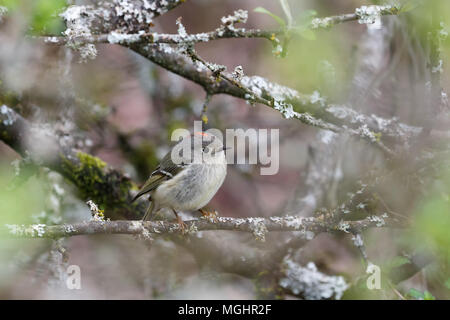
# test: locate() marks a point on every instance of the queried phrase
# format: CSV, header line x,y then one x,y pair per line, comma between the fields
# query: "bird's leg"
x,y
180,221
208,213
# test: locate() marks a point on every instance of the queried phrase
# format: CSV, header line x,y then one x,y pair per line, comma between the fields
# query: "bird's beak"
x,y
226,148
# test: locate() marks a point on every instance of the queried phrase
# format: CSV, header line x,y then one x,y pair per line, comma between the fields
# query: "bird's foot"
x,y
183,226
209,214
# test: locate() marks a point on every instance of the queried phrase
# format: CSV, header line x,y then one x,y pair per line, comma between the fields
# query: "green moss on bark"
x,y
107,187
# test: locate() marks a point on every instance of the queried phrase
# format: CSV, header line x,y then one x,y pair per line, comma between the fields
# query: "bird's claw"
x,y
183,226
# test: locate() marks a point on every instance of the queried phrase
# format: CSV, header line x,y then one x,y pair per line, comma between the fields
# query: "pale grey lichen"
x,y
122,38
136,225
286,109
146,235
281,95
87,51
444,98
317,98
239,16
79,20
438,68
51,40
443,33
295,222
16,166
258,228
58,189
327,137
310,283
310,199
133,11
97,214
379,221
344,226
353,117
361,206
216,69
192,229
181,29
141,231
357,240
365,132
7,115
371,14
238,73
34,230
3,12
324,23
261,87
166,48
309,235
68,228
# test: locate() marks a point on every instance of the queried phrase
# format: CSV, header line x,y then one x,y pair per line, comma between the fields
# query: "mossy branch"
x,y
94,179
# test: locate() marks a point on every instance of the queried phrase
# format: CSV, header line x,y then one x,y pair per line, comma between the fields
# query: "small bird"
x,y
187,184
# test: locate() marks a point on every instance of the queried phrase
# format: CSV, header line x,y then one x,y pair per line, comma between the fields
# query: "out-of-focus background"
x,y
122,108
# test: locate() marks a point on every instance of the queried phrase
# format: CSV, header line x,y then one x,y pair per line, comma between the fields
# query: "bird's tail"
x,y
149,213
138,195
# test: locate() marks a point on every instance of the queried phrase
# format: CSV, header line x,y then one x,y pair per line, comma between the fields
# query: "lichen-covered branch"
x,y
258,226
309,109
364,15
226,30
157,38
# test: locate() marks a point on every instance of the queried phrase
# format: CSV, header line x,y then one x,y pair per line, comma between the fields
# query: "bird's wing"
x,y
165,171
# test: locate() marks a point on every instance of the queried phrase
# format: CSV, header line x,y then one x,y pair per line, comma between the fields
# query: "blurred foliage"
x,y
18,205
420,13
317,64
278,19
44,17
429,234
323,60
432,220
416,294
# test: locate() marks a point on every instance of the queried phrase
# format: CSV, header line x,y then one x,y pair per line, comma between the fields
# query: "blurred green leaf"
x,y
409,5
278,19
305,33
305,18
414,293
433,222
397,262
42,14
428,296
10,4
45,16
17,207
447,283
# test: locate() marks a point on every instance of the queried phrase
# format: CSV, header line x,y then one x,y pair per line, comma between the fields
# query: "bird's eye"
x,y
206,149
